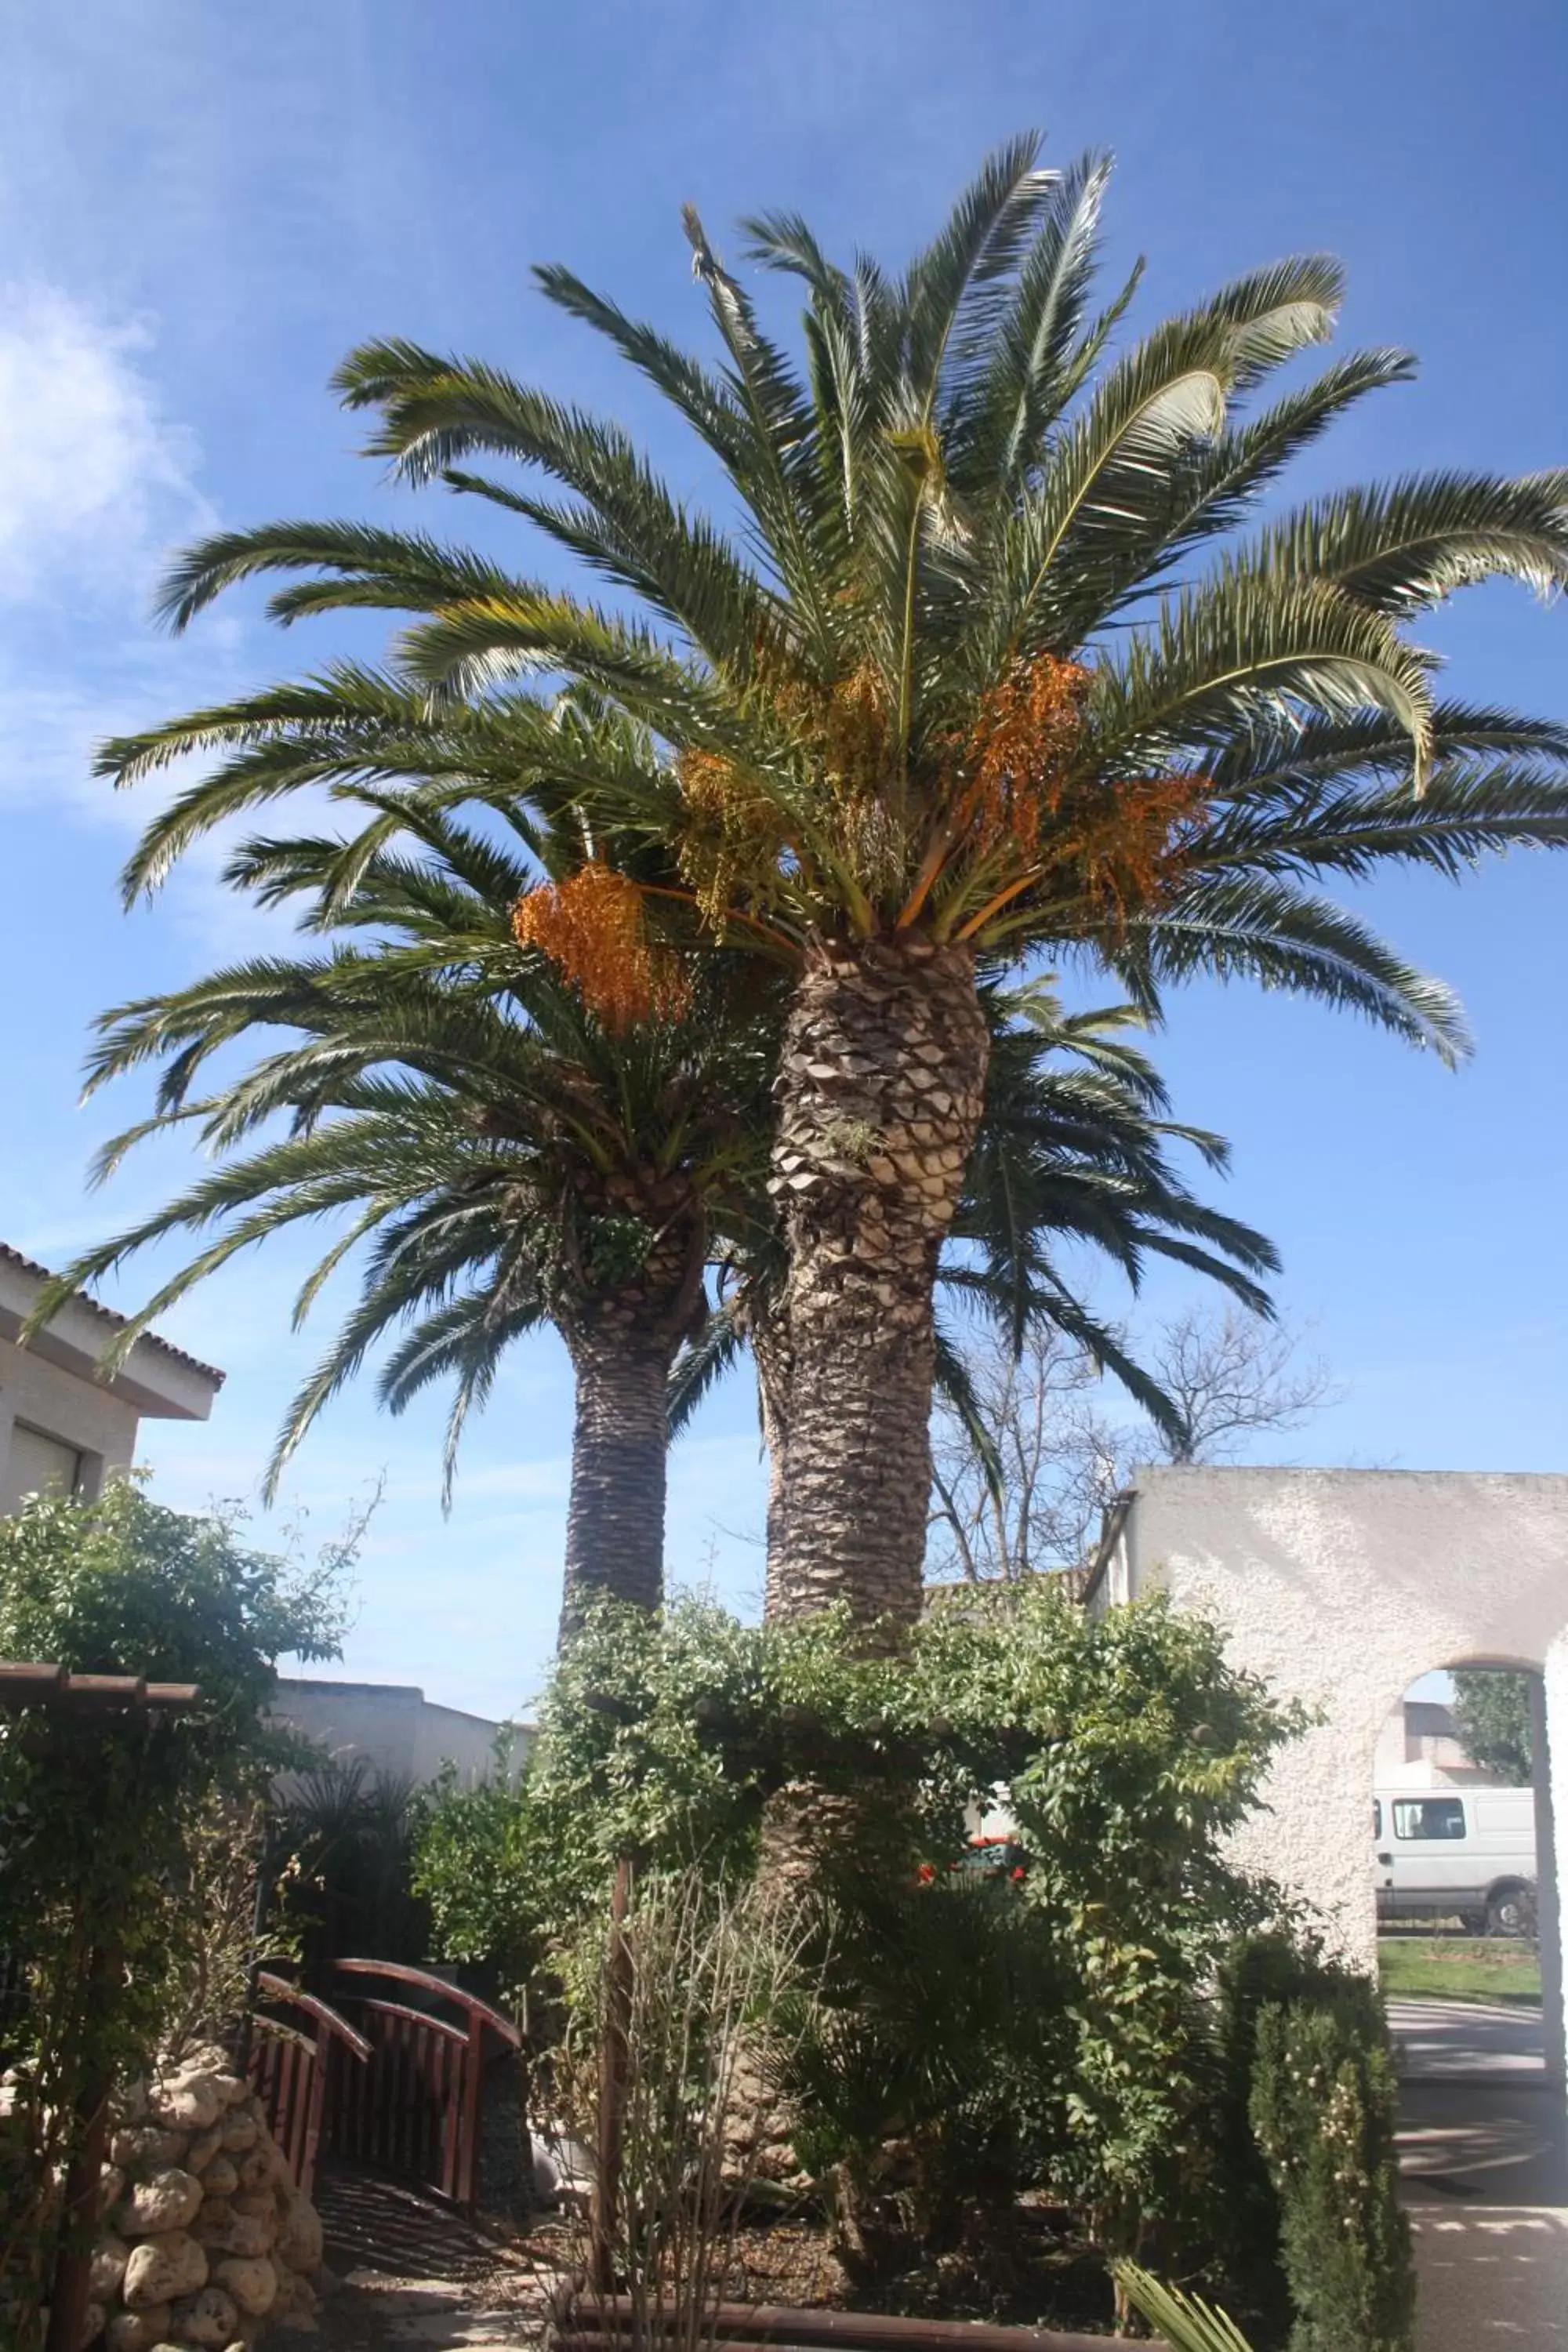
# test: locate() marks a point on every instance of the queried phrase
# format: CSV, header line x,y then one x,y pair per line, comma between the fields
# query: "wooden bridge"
x,y
394,2085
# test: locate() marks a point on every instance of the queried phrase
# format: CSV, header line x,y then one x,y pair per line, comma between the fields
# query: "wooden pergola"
x,y
53,1687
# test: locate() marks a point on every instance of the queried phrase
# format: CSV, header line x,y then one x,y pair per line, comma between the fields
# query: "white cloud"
x,y
93,477
96,483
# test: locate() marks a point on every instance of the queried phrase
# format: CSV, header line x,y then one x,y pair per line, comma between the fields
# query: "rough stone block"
x,y
203,2149
299,2240
135,2147
163,2200
207,2318
137,2331
252,2284
162,2269
110,2257
186,2102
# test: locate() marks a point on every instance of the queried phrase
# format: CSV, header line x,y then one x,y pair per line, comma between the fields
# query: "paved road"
x,y
1491,2275
1480,2122
1438,2039
1483,2148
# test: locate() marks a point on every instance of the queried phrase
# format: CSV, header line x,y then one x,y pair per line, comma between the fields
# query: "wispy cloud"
x,y
94,477
97,482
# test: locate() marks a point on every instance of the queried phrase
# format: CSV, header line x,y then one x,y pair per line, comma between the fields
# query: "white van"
x,y
1470,1851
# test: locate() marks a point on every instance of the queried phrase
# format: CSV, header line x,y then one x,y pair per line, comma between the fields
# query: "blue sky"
x,y
201,208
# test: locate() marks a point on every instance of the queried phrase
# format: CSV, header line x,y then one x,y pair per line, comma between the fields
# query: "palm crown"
x,y
956,678
987,668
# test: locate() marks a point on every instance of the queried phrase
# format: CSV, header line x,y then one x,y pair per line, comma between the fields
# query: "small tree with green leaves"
x,y
1492,1714
105,1822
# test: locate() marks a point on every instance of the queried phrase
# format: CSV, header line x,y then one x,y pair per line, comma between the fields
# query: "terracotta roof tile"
x,y
10,1256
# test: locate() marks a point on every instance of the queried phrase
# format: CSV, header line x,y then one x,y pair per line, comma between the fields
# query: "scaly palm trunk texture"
x,y
620,1442
880,1097
623,1340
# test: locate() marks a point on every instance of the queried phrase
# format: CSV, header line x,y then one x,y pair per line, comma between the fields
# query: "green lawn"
x,y
1458,1967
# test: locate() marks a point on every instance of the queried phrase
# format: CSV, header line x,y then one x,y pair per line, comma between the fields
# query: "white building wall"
x,y
100,1426
52,1390
1342,1587
392,1728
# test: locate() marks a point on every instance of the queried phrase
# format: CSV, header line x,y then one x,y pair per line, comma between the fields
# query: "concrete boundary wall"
x,y
1342,1587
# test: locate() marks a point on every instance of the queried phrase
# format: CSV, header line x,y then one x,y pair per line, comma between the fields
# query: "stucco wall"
x,y
100,1426
53,1386
1342,1587
393,1727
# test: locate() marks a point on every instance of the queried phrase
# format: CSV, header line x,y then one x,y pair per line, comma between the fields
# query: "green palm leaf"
x,y
1186,2322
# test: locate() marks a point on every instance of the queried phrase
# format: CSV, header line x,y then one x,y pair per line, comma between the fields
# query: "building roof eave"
x,y
158,1380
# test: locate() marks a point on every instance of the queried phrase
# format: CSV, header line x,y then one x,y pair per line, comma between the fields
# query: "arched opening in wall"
x,y
1457,1849
1469,1940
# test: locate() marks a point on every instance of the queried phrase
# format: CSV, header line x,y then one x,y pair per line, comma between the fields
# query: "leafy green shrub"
x,y
1133,1747
930,2079
1241,2220
122,1585
659,1738
108,1823
1048,2031
1323,2106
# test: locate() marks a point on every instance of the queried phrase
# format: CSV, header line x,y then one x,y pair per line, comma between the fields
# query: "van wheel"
x,y
1509,1911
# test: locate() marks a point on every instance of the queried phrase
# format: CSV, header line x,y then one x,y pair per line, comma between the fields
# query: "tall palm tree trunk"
x,y
623,1341
620,1445
769,1352
881,1095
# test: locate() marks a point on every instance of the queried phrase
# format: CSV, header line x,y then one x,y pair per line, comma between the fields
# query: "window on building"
x,y
38,1463
1429,1817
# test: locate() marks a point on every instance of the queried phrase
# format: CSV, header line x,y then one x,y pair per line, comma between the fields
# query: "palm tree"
x,y
1072,1148
511,1158
984,671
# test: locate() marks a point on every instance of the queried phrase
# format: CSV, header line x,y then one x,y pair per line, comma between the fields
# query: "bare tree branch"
x,y
1230,1376
1060,1462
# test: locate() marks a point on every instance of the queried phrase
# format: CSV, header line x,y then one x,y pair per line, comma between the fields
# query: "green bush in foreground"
x,y
1052,2030
1323,2109
114,1828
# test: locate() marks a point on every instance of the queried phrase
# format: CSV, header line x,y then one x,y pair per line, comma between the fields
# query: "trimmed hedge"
x,y
1324,2111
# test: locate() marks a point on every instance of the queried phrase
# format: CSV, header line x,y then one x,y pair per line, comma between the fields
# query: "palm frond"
x,y
1407,544
1186,2322
702,1364
1256,928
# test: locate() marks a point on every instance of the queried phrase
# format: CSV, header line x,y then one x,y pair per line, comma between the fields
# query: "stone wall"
x,y
206,2240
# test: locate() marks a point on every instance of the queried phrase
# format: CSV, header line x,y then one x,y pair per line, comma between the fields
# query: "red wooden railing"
x,y
293,2070
414,2110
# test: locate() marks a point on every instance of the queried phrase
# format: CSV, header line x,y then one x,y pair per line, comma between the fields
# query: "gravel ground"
x,y
380,2311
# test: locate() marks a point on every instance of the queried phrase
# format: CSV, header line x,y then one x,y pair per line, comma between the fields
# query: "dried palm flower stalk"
x,y
591,927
